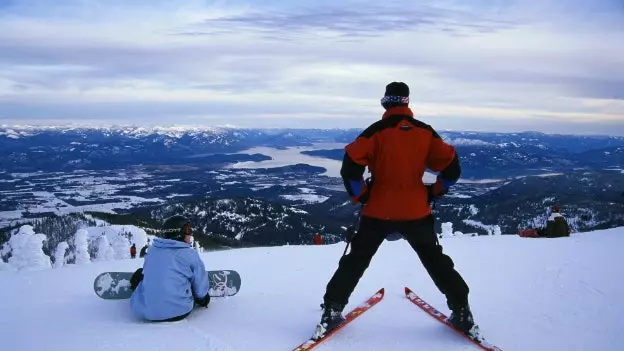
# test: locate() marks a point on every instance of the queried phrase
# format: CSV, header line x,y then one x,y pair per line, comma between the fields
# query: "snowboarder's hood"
x,y
169,244
554,215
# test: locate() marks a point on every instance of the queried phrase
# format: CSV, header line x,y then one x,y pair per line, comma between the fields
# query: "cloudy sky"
x,y
495,65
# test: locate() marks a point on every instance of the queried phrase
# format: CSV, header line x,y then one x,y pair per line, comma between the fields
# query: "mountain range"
x,y
141,175
484,155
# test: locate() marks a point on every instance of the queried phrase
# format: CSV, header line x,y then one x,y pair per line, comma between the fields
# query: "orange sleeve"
x,y
440,154
360,150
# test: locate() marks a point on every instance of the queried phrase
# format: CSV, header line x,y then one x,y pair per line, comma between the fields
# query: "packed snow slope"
x,y
526,294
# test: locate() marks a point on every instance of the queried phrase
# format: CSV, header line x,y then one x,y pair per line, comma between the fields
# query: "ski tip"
x,y
381,291
407,290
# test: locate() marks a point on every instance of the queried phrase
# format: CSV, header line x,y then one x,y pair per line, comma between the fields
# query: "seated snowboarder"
x,y
556,225
173,278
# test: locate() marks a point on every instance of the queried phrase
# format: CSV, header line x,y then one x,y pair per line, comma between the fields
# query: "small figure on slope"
x,y
397,150
133,251
173,278
317,239
556,225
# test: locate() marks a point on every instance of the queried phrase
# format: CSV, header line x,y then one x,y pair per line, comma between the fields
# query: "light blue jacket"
x,y
172,272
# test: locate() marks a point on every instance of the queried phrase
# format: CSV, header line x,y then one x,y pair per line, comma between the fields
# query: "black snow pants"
x,y
421,236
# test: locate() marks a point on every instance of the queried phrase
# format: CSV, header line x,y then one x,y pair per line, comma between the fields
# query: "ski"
x,y
475,338
349,317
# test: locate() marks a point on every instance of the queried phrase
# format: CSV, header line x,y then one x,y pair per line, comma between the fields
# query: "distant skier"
x,y
143,251
173,278
556,225
397,150
317,239
133,251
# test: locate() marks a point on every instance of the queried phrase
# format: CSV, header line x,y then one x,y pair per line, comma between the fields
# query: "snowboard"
x,y
116,285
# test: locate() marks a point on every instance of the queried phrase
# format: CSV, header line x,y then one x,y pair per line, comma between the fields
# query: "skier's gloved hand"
x,y
203,302
364,193
436,190
362,197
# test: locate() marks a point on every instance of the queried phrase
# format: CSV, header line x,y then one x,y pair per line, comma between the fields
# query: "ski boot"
x,y
330,320
462,320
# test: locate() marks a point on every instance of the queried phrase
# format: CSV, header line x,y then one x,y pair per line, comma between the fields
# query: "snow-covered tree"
x,y
473,210
59,254
139,237
104,249
121,247
496,230
447,229
5,251
82,247
27,250
197,247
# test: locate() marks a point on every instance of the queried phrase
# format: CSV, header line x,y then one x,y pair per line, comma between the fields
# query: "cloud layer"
x,y
552,65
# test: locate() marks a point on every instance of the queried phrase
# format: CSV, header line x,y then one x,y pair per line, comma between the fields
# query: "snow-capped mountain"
x,y
126,171
60,149
27,149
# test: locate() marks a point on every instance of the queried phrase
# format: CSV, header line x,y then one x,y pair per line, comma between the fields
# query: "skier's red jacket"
x,y
397,150
132,250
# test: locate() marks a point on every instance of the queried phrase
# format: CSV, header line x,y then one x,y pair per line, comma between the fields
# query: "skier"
x,y
317,239
133,251
173,278
143,251
397,150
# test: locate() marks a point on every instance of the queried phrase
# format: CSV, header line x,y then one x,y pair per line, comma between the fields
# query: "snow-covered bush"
x,y
473,210
5,252
121,247
139,237
82,247
27,250
496,230
197,246
104,249
59,254
447,229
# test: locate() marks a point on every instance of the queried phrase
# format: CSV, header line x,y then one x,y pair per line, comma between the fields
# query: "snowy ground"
x,y
526,294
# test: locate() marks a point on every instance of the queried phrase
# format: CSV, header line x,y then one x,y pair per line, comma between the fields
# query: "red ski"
x,y
349,317
476,339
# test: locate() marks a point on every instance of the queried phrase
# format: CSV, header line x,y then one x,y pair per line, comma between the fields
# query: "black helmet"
x,y
176,228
